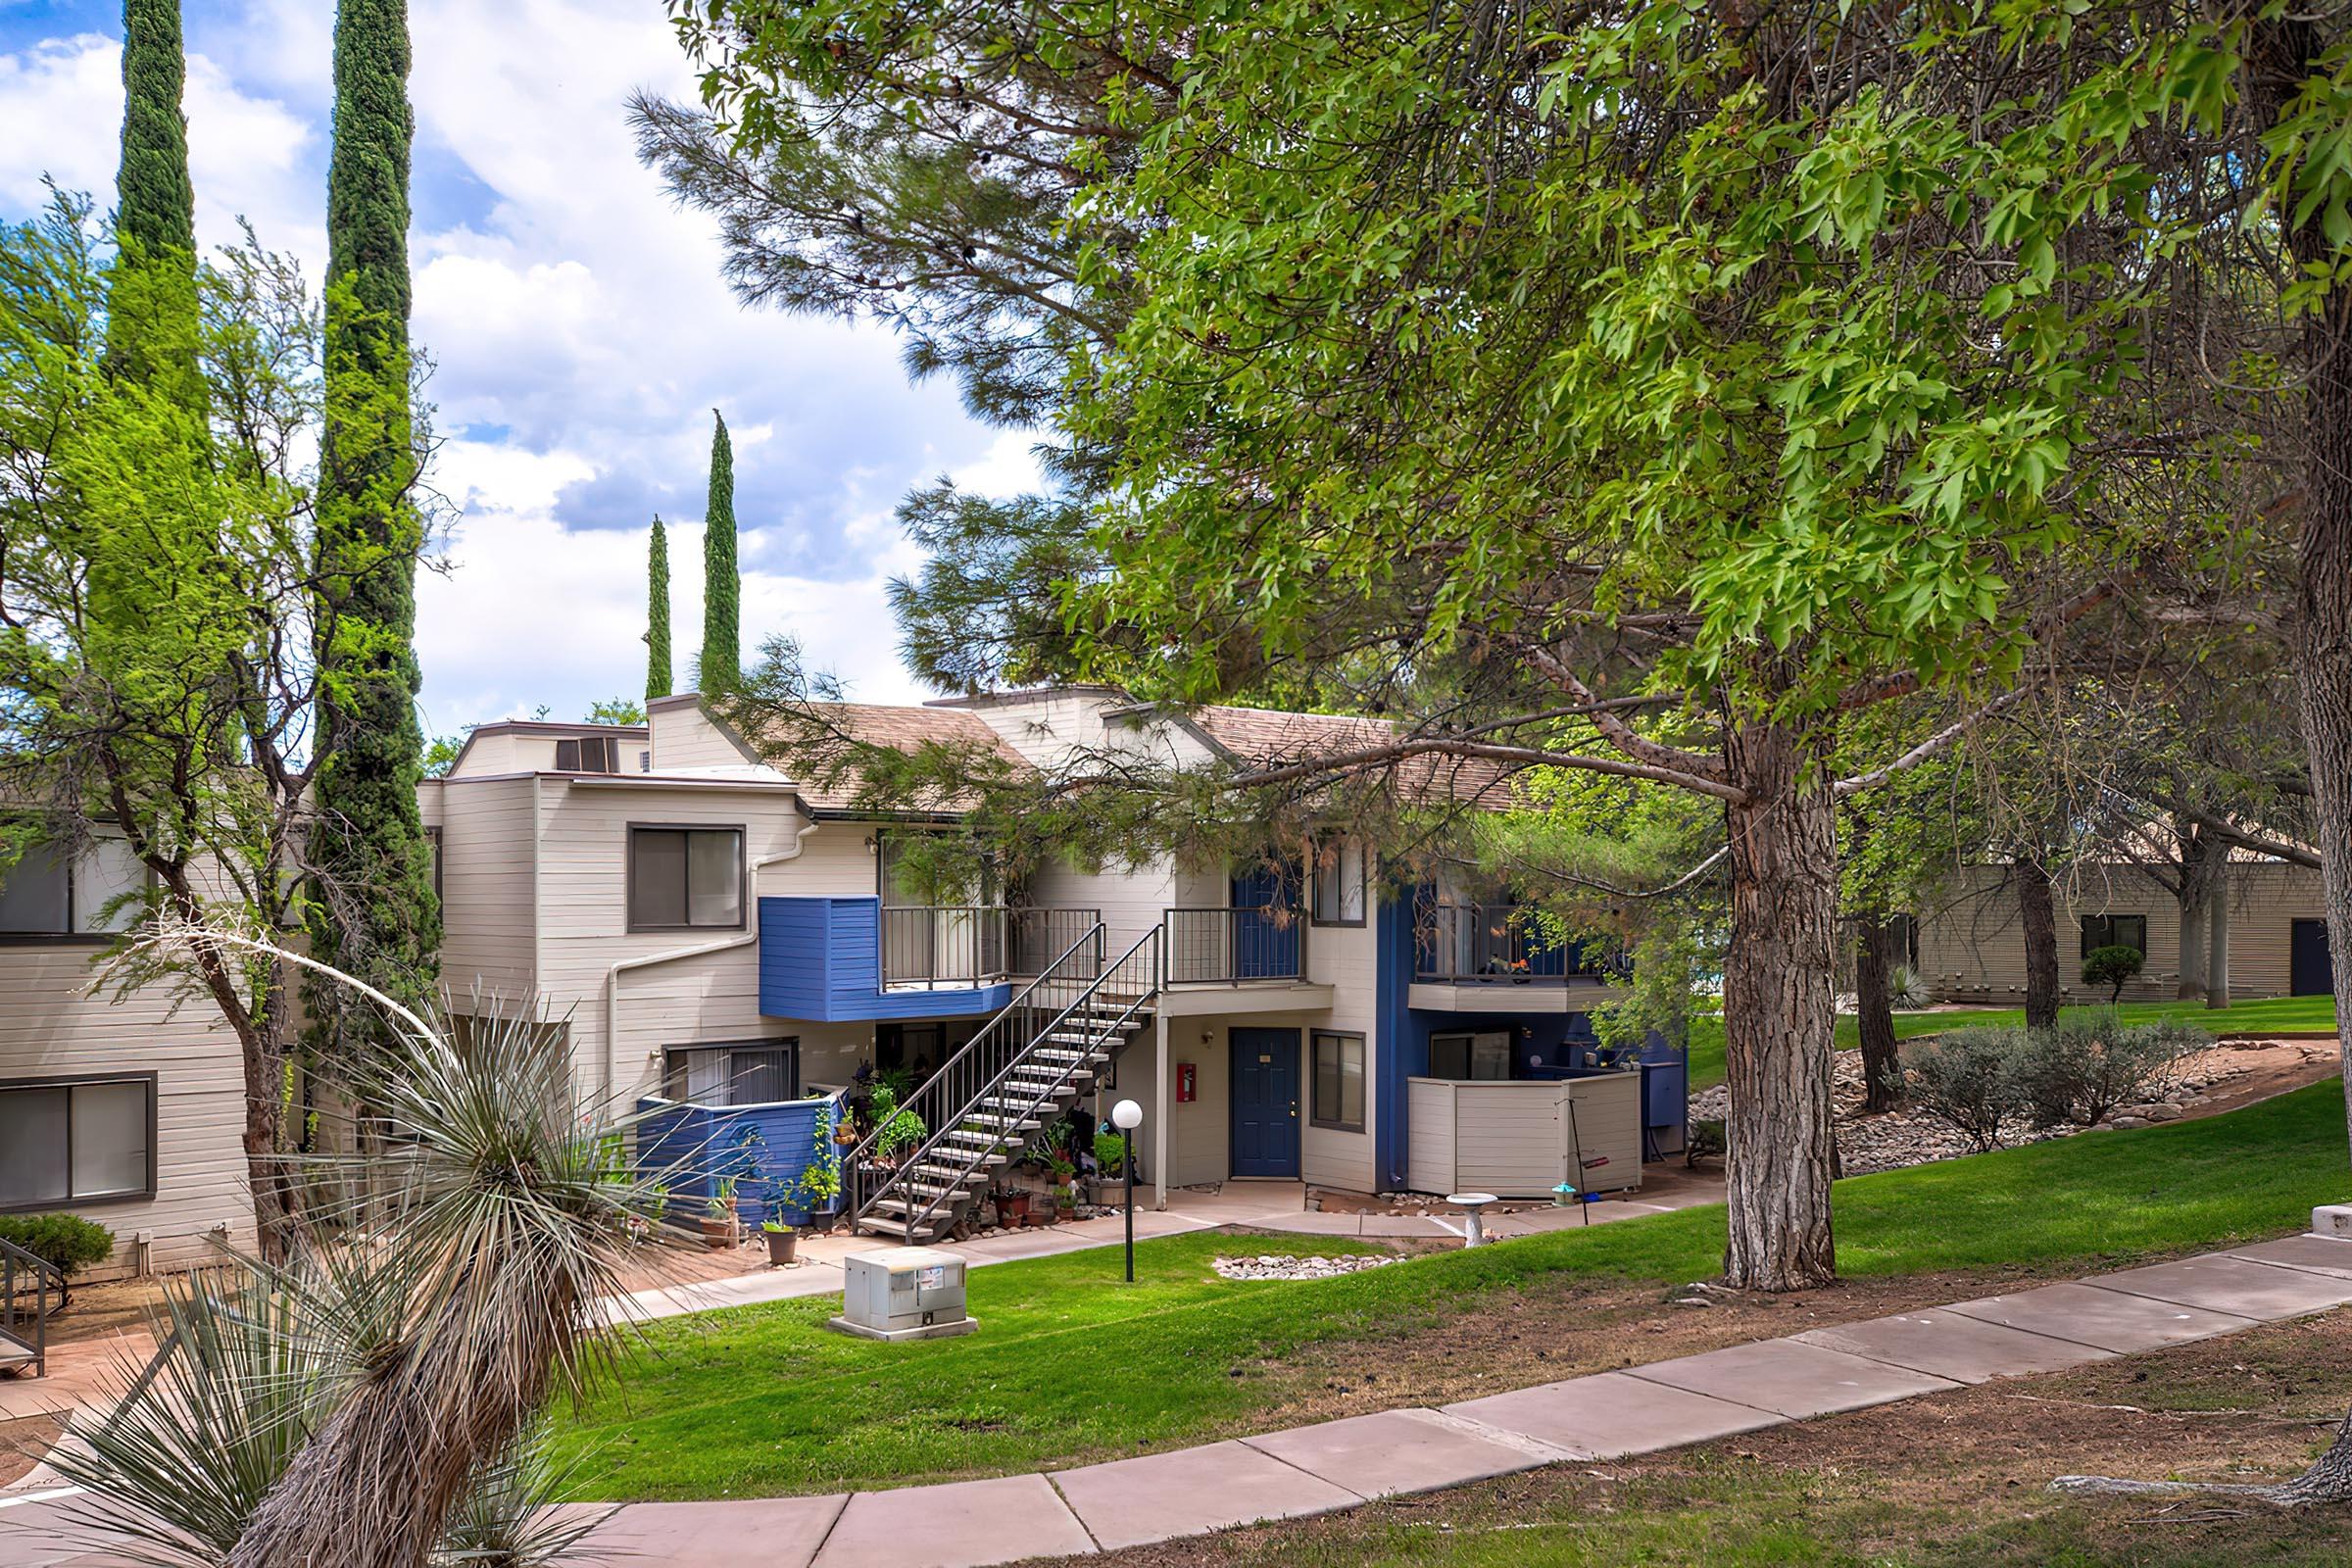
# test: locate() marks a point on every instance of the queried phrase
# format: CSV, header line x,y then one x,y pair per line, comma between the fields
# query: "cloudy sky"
x,y
579,328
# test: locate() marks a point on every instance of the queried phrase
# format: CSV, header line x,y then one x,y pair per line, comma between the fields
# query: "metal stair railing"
x,y
1080,1030
16,1266
942,1100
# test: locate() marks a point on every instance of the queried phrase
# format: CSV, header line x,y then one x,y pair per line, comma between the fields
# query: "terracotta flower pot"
x,y
718,1231
783,1247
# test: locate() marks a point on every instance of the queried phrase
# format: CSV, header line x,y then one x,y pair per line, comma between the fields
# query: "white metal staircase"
x,y
992,1100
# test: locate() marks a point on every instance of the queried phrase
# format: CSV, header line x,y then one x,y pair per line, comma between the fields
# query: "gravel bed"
x,y
1278,1266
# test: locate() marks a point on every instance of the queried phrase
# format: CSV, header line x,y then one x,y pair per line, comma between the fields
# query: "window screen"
x,y
33,896
2115,931
69,1143
41,894
1339,1092
685,878
1339,888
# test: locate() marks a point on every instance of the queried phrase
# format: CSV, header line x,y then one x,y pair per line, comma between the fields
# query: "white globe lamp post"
x,y
1127,1116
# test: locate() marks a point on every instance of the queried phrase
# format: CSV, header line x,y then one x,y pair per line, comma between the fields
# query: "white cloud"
x,y
60,115
581,332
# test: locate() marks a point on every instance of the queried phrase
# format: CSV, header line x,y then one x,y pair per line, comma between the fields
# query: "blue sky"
x,y
581,334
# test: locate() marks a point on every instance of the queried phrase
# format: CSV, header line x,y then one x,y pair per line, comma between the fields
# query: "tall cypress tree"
x,y
384,924
657,616
151,334
722,665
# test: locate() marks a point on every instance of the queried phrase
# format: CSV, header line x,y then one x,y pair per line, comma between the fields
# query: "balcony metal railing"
x,y
1226,946
939,946
1500,944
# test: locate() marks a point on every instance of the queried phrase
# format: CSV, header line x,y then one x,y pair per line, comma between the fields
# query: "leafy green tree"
x,y
616,710
657,615
156,677
381,920
721,665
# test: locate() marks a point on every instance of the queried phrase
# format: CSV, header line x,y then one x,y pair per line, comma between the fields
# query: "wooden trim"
x,y
743,873
73,1081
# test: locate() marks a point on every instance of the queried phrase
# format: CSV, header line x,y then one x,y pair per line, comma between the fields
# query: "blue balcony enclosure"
x,y
831,959
690,1149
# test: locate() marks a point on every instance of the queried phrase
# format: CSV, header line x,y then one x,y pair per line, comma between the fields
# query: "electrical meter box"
x,y
904,1292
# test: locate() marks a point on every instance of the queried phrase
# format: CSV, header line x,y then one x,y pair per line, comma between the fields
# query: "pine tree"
x,y
657,616
721,665
151,334
387,926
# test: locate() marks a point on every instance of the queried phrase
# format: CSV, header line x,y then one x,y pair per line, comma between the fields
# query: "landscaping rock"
x,y
1281,1266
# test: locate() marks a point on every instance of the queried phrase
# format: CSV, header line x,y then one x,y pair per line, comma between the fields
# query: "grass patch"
x,y
2285,1013
1069,1365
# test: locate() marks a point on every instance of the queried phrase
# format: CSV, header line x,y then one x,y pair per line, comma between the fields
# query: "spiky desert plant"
x,y
429,1343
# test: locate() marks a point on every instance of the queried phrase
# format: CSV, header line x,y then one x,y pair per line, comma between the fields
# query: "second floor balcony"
x,y
1501,945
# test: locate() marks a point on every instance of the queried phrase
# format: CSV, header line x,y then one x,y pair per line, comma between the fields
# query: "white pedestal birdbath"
x,y
1472,1205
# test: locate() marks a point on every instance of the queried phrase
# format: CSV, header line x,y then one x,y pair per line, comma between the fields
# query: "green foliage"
x,y
819,1181
1968,1079
67,1242
657,615
616,710
386,927
898,1130
1110,1153
440,755
721,668
151,332
2077,1073
2113,967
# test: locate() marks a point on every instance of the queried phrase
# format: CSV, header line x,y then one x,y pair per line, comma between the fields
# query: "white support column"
x,y
1160,1123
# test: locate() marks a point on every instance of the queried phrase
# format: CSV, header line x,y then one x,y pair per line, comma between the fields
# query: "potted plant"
x,y
718,1222
1012,1208
783,1243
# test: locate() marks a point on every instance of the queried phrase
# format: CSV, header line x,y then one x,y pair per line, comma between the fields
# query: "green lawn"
x,y
2273,1012
1069,1365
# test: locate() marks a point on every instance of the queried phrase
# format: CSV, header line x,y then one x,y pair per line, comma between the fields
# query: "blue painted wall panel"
x,y
820,961
690,1149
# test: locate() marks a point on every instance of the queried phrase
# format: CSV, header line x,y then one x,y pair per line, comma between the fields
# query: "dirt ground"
x,y
2272,1067
1952,1478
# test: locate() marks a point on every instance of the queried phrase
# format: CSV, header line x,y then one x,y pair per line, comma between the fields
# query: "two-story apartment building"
x,y
715,932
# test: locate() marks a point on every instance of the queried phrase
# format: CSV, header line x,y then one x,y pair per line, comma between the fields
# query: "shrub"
x,y
1907,989
67,1242
1968,1080
2077,1073
1708,1140
1110,1153
2112,967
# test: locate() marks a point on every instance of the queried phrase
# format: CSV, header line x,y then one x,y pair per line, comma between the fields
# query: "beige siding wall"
x,y
583,927
1972,947
1346,958
685,736
1518,1140
52,1027
488,862
491,753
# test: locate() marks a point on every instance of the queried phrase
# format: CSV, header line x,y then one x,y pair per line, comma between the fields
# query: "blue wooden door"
x,y
1265,1102
1266,926
2310,973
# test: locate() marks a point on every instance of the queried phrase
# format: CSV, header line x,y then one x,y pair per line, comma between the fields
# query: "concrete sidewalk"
x,y
1341,1464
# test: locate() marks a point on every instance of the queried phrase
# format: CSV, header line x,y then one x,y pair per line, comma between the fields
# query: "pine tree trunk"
x,y
2040,920
1874,996
1779,1016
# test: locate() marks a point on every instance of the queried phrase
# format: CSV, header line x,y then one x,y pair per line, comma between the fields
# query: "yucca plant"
x,y
371,1402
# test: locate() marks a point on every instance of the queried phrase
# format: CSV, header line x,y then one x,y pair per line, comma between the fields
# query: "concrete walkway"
x,y
1340,1464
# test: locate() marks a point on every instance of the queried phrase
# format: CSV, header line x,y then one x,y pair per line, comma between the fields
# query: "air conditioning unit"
x,y
904,1292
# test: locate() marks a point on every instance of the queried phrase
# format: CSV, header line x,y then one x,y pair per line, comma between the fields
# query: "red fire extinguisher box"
x,y
1188,1081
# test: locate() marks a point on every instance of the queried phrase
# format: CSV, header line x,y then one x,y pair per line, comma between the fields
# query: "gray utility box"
x,y
904,1292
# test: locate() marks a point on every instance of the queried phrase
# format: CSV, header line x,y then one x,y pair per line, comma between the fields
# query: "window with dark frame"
x,y
590,754
1337,1100
77,1141
46,893
1337,894
758,1073
686,878
2115,931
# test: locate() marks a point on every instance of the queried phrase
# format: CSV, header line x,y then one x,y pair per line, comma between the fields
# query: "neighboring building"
x,y
1970,947
130,1111
715,934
